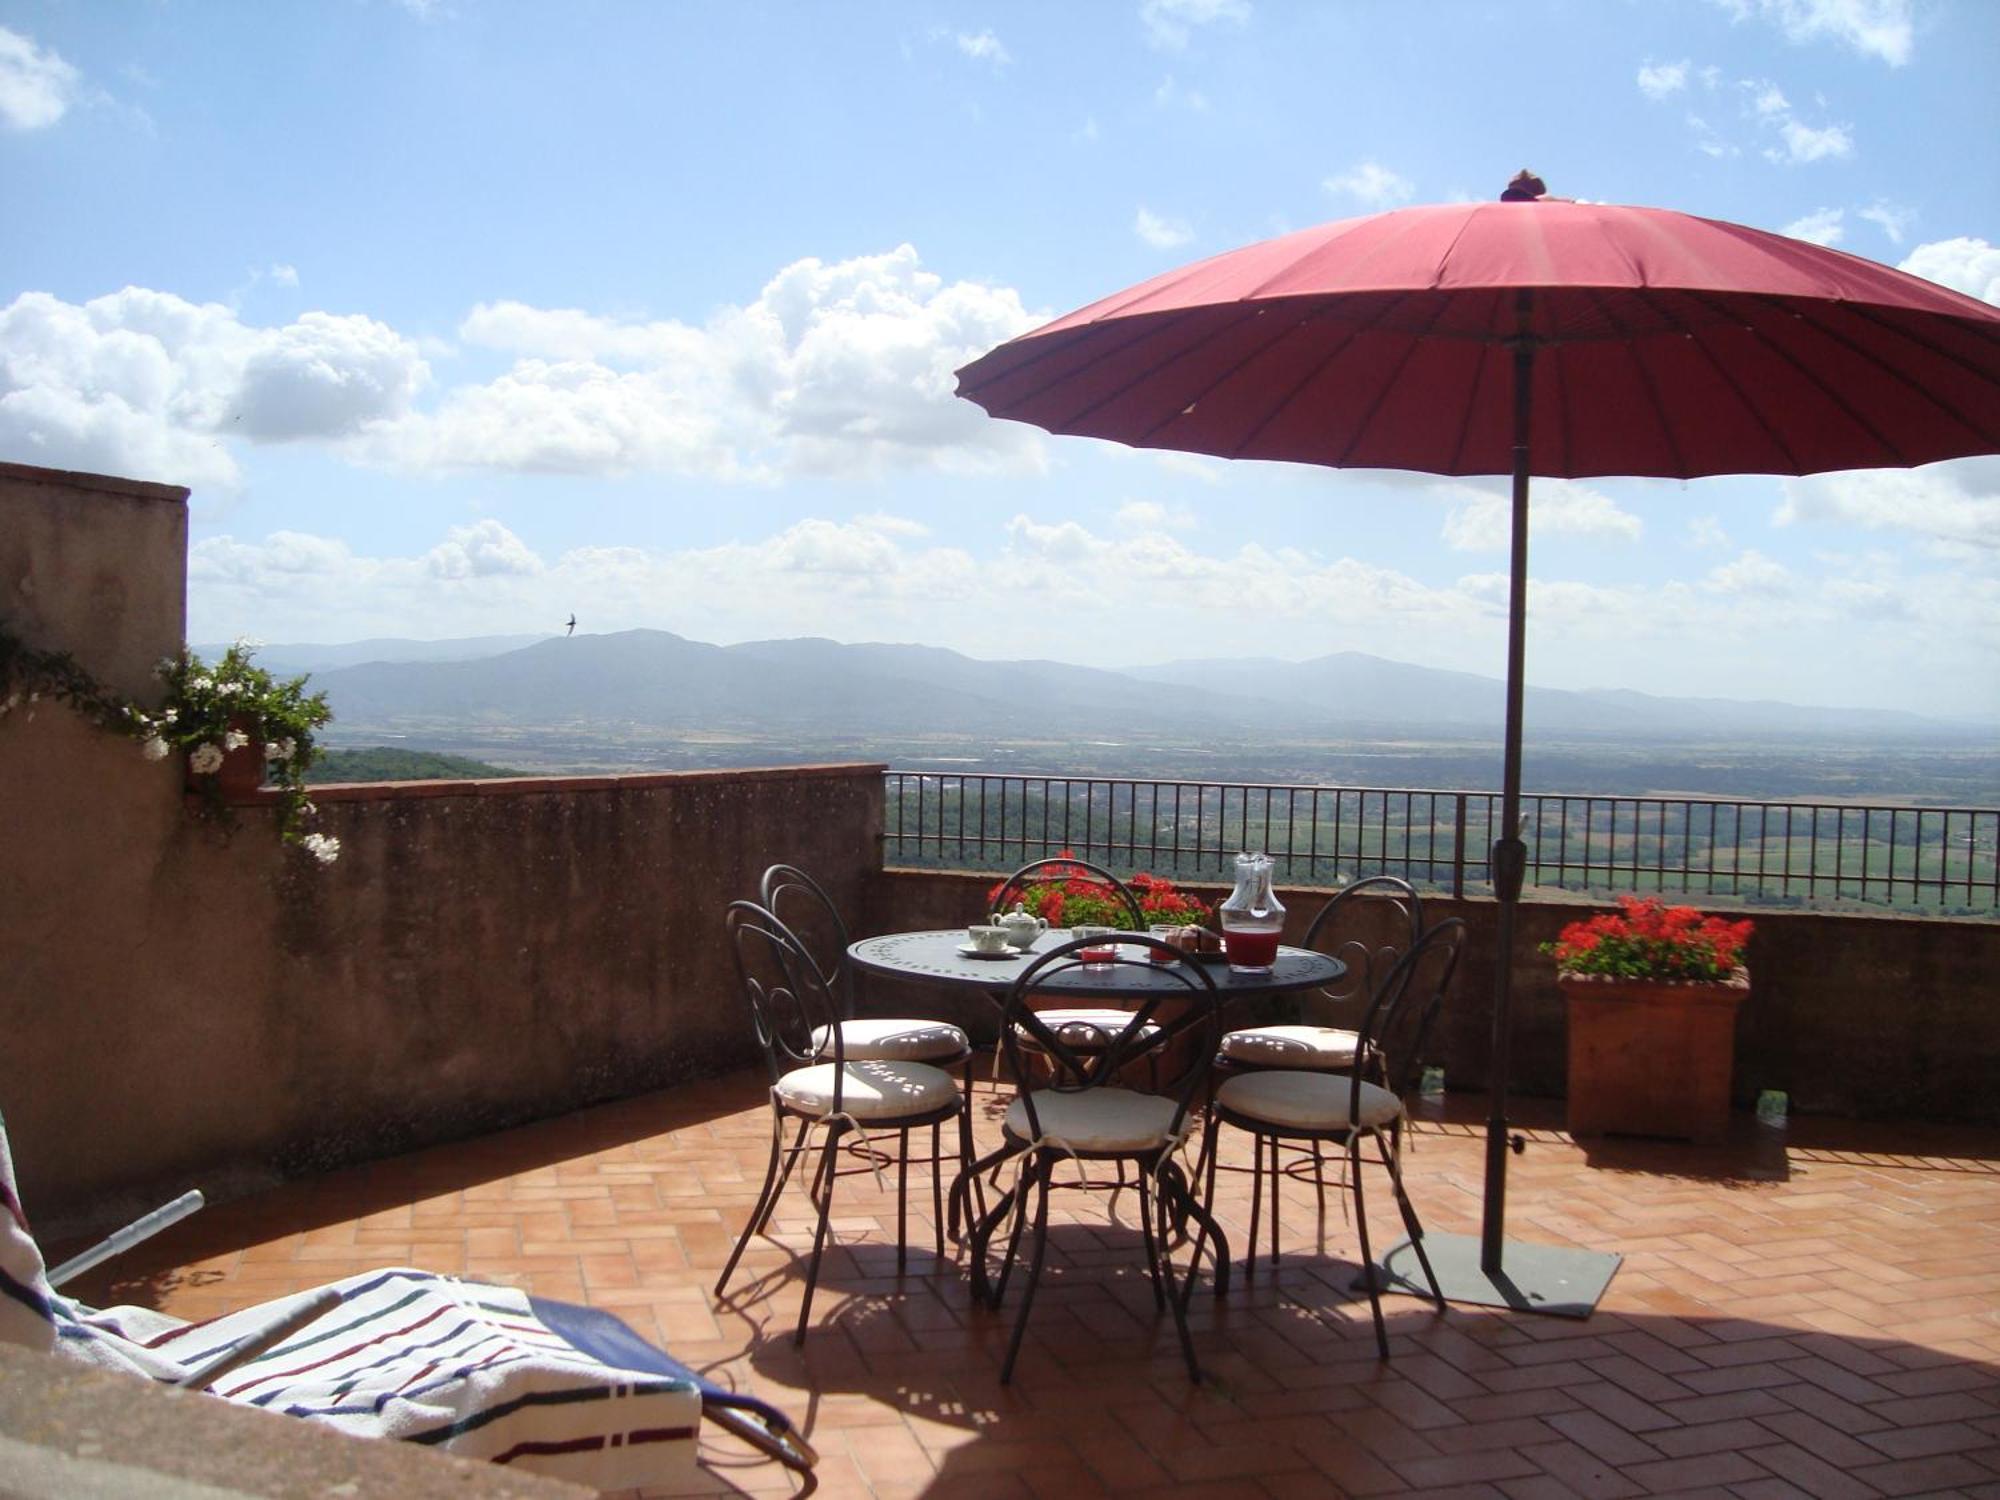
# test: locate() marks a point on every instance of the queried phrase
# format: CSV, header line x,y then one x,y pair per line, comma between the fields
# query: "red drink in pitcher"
x,y
1251,949
1252,917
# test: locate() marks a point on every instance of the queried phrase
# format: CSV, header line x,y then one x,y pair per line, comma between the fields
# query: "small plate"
x,y
966,950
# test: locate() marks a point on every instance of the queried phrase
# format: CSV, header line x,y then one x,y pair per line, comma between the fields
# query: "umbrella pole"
x,y
1556,1279
1510,855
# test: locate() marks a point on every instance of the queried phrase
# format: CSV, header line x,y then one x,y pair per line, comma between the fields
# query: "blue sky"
x,y
461,316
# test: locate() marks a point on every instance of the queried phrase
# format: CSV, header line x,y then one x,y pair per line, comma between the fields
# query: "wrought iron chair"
x,y
815,1083
802,904
1082,1114
1368,926
1079,1025
1346,1109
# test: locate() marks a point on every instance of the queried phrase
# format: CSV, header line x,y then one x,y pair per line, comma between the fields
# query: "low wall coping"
x,y
110,484
516,786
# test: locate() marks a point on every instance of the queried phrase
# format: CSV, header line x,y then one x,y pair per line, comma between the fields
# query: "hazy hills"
x,y
659,681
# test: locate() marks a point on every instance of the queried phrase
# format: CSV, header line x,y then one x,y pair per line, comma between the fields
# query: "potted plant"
x,y
236,725
1651,993
239,726
1080,899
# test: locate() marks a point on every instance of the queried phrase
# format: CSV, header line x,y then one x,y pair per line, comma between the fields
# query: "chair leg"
x,y
937,1189
825,1177
1043,1169
766,1195
1200,1213
1367,1255
1014,1234
979,1232
785,1175
1277,1182
1256,1204
903,1201
1152,1240
1393,1160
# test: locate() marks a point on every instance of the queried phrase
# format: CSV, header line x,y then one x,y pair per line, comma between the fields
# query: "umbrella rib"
x,y
1389,382
1143,327
1284,332
1609,316
1749,402
1279,408
1929,346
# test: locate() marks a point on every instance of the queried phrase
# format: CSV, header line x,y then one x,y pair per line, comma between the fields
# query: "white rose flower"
x,y
170,716
201,684
228,689
275,750
234,739
322,847
205,759
154,748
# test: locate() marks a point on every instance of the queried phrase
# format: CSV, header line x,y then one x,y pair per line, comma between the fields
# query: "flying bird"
x,y
572,626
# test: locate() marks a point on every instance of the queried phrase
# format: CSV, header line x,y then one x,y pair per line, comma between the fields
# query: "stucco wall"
x,y
1876,1017
187,1004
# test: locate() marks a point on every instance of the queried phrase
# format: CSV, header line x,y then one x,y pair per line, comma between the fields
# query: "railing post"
x,y
1458,849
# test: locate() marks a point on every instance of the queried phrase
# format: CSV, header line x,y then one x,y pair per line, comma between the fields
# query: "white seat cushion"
x,y
1086,1026
870,1091
1101,1119
893,1039
1306,1101
1292,1046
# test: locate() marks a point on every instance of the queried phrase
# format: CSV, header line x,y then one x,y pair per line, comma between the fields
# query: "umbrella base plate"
x,y
1559,1280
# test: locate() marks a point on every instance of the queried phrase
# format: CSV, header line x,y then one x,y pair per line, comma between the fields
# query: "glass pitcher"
x,y
1252,917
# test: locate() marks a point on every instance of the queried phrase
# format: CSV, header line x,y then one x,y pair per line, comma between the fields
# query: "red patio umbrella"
x,y
1540,337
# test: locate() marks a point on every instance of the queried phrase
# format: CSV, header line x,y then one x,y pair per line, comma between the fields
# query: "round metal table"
x,y
935,957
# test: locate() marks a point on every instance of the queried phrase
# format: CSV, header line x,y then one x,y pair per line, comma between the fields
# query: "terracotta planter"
x,y
242,773
1651,1057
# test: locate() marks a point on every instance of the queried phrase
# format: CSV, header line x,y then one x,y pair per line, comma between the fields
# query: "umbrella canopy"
x,y
1531,337
1665,345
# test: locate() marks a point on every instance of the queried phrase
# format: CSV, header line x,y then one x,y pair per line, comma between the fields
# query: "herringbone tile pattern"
x,y
1805,1313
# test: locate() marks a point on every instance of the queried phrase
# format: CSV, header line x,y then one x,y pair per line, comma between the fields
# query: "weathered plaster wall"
x,y
1876,1017
183,1004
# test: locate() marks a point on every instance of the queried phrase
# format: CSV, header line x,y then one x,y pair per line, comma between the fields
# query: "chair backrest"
x,y
802,904
1175,1000
1059,871
1405,1006
1368,926
792,1010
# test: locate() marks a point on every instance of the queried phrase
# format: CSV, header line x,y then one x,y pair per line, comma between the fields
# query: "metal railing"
x,y
1941,860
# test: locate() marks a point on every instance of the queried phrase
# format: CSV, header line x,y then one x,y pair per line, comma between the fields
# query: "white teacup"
x,y
985,939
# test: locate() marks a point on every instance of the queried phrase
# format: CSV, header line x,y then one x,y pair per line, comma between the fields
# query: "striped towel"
x,y
457,1365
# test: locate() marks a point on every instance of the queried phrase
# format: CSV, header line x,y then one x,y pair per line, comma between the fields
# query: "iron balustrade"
x,y
1941,860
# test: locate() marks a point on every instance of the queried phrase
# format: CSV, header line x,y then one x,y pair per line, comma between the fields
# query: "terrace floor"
x,y
1808,1312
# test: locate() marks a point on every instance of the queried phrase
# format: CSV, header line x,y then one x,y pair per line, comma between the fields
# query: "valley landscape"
x,y
648,700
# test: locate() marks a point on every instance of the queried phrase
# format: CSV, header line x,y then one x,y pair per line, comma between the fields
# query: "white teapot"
x,y
1022,928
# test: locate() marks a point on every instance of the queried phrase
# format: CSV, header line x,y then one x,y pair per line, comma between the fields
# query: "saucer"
x,y
966,950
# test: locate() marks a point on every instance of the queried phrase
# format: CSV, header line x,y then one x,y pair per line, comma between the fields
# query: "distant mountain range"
x,y
660,681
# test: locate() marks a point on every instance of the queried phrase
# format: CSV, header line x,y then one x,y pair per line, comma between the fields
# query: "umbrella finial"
x,y
1525,187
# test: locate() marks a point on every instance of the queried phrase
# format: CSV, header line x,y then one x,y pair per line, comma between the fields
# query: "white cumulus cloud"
x,y
149,385
1481,520
1954,506
1170,23
1874,28
1160,232
1964,264
1372,185
985,47
1658,80
483,550
1820,227
36,86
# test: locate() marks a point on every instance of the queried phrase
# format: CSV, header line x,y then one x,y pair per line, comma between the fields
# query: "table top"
x,y
935,956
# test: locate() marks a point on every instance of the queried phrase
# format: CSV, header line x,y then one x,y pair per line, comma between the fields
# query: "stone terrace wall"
x,y
186,1005
1875,1017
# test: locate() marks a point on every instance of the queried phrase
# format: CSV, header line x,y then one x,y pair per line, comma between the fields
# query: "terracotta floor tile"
x,y
1758,1342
